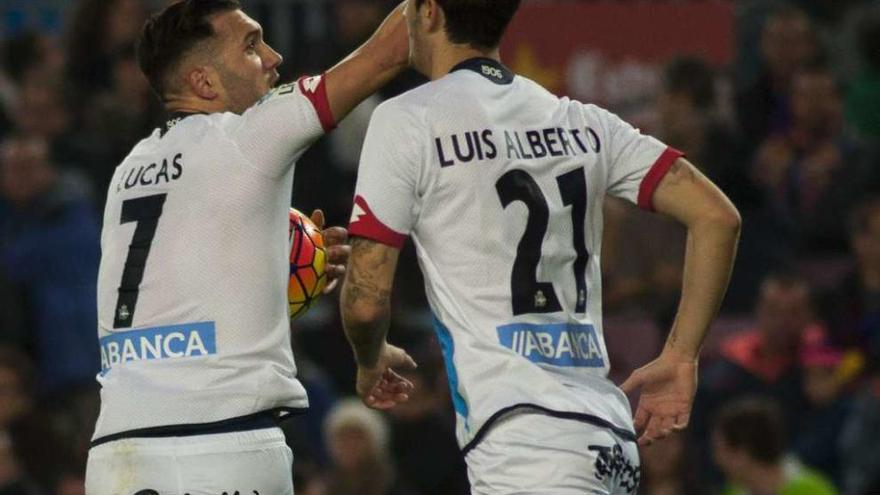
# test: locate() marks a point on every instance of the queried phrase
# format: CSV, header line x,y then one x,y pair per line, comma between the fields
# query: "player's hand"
x,y
338,250
668,385
380,387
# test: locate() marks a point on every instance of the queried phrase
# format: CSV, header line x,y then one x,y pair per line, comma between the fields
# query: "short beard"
x,y
235,90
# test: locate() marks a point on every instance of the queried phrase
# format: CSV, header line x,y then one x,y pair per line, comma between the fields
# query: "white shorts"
x,y
255,462
528,452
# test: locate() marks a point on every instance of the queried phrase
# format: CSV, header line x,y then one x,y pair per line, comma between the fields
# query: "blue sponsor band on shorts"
x,y
171,341
557,344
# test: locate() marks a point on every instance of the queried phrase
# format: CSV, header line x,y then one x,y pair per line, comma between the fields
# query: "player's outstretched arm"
x,y
366,313
668,384
370,67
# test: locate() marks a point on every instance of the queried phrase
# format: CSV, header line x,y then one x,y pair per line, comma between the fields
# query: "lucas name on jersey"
x,y
515,144
154,174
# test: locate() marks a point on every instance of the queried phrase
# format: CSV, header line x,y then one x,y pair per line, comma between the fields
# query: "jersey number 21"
x,y
528,294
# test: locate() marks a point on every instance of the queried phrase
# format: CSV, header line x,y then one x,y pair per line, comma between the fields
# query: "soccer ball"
x,y
308,257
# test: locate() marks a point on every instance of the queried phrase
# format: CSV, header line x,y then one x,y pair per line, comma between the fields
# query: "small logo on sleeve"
x,y
310,84
559,344
356,213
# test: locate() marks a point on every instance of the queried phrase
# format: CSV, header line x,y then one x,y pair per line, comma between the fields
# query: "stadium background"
x,y
778,102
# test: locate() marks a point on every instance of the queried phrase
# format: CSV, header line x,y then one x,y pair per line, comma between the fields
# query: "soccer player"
x,y
500,184
193,322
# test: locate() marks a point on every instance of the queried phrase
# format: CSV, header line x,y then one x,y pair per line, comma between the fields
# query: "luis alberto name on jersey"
x,y
516,145
500,185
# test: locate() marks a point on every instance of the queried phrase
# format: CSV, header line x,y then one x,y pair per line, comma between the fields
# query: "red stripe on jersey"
x,y
365,224
654,176
315,89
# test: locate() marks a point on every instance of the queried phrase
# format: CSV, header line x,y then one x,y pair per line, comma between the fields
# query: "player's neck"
x,y
448,56
185,104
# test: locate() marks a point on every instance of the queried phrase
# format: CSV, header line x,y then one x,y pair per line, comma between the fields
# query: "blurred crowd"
x,y
789,394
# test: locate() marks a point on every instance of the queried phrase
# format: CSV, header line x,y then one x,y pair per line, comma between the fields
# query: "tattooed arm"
x,y
669,383
366,314
366,298
713,225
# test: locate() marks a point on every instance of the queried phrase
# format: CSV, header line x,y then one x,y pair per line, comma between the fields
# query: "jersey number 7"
x,y
146,212
528,294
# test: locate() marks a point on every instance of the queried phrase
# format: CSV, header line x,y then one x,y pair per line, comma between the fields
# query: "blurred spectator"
x,y
667,468
863,97
304,432
813,172
357,438
49,244
787,44
118,118
423,431
16,385
43,112
859,441
689,121
26,58
355,22
762,361
827,388
765,359
644,275
852,308
98,30
748,444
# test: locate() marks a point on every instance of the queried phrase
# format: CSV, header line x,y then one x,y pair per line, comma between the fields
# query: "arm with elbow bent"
x,y
365,303
369,67
668,384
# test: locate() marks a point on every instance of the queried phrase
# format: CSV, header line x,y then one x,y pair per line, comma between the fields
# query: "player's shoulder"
x,y
525,85
410,107
181,132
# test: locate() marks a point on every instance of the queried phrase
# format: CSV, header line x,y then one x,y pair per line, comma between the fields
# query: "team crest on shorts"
x,y
612,463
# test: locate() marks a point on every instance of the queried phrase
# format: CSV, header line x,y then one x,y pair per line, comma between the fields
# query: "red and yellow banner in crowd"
x,y
611,52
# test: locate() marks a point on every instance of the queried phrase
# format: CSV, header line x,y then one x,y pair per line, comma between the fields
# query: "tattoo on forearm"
x,y
367,290
368,260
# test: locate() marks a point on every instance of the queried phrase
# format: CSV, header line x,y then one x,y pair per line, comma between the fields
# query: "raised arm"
x,y
366,314
669,382
370,67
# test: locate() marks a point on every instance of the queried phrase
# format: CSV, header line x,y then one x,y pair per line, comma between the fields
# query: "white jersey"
x,y
192,308
500,184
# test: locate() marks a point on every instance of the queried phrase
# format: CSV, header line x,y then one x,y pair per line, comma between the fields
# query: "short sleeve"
x,y
386,195
276,131
635,163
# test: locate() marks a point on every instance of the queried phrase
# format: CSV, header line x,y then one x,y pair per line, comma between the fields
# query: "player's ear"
x,y
432,16
203,82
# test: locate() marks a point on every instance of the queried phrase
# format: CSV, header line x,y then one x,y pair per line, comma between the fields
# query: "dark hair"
x,y
478,23
22,53
753,425
692,77
169,35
